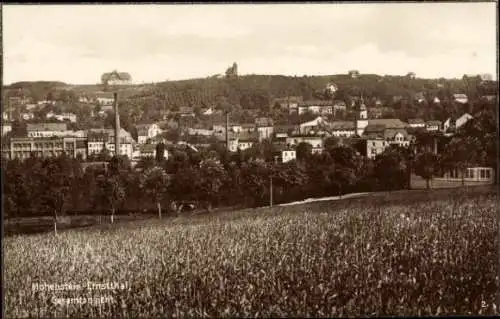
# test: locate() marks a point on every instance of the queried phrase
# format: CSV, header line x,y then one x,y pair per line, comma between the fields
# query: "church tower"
x,y
361,118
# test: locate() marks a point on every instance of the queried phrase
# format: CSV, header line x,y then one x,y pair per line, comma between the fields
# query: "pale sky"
x,y
77,43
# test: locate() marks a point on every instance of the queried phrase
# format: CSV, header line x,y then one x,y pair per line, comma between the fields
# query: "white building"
x,y
147,131
472,174
452,123
306,127
416,123
342,128
147,151
433,126
200,131
6,128
460,98
105,100
62,117
315,141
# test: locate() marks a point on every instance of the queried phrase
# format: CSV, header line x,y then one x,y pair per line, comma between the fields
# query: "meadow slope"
x,y
430,254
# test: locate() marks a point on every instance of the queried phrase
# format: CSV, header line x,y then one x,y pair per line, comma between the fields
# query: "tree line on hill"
x,y
255,94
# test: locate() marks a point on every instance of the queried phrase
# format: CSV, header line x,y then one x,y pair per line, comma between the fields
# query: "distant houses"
x,y
316,107
62,117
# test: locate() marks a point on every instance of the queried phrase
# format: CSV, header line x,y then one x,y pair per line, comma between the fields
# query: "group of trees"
x,y
211,177
253,95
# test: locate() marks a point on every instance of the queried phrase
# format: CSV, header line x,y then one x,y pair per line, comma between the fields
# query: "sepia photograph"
x,y
257,160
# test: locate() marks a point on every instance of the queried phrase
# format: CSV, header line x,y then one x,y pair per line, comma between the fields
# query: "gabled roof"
x,y
248,125
147,148
316,103
389,123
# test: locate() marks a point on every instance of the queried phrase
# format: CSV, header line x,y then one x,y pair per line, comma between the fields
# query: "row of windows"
x,y
471,173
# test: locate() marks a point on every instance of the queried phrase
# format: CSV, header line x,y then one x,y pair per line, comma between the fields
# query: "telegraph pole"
x,y
227,131
117,125
271,191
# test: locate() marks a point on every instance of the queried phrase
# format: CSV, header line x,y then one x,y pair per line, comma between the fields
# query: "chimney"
x,y
227,131
117,125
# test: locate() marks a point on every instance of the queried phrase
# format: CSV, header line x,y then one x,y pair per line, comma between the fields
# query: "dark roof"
x,y
316,103
264,121
81,144
371,128
389,123
248,125
342,125
47,127
248,136
288,99
434,122
416,121
284,128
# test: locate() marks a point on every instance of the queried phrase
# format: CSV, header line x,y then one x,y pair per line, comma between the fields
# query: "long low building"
x,y
25,147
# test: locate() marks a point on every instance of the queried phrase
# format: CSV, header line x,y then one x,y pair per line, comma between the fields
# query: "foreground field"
x,y
422,255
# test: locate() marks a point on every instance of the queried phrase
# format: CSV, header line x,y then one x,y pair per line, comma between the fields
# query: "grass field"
x,y
404,253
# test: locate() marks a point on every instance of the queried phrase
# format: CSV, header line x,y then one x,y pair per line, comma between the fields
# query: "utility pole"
x,y
117,125
271,191
227,131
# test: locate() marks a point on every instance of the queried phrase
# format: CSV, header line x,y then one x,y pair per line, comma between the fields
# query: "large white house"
x,y
452,123
315,141
147,131
100,139
62,117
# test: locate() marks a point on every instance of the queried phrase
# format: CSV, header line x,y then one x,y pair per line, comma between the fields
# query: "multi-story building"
x,y
378,137
100,139
116,78
147,151
147,131
315,141
97,142
284,154
289,103
342,128
25,147
316,107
